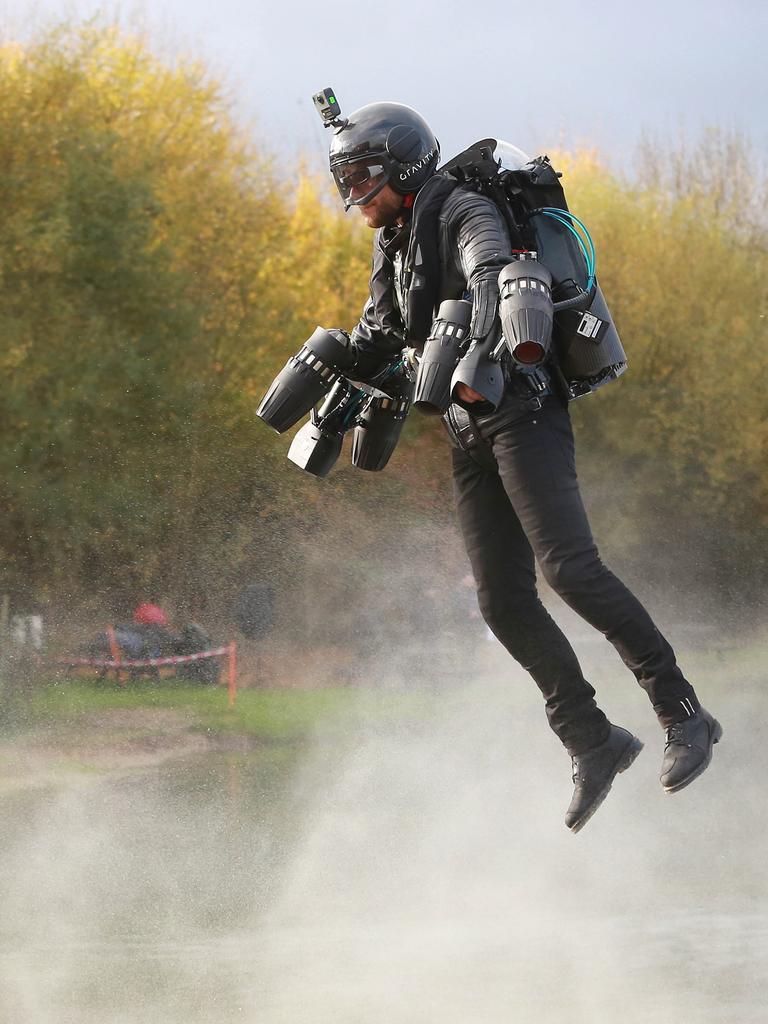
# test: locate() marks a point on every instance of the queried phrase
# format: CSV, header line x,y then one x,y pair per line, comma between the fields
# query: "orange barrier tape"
x,y
178,659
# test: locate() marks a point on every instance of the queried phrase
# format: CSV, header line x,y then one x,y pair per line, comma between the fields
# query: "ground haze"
x,y
407,868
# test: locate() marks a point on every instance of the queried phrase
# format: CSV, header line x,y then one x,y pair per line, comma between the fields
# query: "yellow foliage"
x,y
688,293
156,272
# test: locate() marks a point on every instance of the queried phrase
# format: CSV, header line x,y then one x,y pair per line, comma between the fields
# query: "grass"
x,y
270,715
287,715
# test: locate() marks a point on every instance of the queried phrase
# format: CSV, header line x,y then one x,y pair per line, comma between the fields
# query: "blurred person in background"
x,y
147,635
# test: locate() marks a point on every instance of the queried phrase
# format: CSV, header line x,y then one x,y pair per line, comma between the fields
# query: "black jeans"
x,y
529,507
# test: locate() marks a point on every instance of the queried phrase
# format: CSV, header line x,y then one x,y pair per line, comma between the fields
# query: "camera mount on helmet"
x,y
328,108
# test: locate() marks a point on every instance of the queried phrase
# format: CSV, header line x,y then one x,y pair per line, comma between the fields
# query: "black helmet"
x,y
384,143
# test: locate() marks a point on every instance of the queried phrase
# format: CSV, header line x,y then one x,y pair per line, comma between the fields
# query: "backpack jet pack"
x,y
563,287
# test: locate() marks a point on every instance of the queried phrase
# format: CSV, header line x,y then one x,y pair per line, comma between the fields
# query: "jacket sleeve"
x,y
478,242
375,346
379,336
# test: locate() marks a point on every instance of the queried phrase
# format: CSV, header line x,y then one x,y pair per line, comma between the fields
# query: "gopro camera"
x,y
328,107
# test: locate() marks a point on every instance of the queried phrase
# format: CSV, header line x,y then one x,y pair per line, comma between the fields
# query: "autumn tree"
x,y
148,291
156,272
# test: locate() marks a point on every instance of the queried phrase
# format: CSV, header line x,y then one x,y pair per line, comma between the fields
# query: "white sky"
x,y
585,72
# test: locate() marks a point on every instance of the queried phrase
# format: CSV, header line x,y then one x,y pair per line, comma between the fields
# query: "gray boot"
x,y
594,772
688,750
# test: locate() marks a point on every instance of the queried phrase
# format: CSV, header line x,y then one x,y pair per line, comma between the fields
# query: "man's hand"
x,y
411,359
468,394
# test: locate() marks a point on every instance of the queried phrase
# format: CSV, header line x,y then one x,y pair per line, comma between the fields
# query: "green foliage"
x,y
284,715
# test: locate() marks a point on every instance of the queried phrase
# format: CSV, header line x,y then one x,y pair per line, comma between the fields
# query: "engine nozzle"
x,y
306,378
526,310
315,450
378,430
442,351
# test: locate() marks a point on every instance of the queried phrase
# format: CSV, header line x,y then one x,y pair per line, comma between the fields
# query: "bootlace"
x,y
674,733
675,736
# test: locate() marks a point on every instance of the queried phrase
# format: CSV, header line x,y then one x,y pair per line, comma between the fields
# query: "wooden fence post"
x,y
232,673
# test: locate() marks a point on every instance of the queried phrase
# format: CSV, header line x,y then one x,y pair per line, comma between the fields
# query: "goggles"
x,y
360,181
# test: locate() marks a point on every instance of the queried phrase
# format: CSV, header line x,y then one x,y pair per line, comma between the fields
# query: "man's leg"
x,y
503,566
537,466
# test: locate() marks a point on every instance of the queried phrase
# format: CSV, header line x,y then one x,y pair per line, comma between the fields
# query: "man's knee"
x,y
573,574
512,617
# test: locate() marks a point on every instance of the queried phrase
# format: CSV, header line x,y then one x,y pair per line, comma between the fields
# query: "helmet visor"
x,y
360,181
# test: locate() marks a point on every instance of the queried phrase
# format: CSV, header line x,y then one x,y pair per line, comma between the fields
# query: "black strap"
x,y
464,433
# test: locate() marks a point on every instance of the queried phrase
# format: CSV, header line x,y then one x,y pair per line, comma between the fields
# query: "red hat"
x,y
150,615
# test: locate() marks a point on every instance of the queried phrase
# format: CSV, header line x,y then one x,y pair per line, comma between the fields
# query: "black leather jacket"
x,y
455,246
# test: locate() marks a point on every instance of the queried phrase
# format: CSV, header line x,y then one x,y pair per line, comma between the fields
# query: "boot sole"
x,y
628,755
717,732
